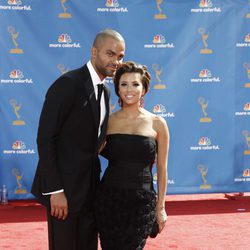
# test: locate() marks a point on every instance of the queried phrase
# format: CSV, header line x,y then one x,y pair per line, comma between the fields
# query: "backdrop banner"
x,y
197,52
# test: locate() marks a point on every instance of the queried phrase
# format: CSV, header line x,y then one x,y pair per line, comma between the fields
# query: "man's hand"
x,y
59,205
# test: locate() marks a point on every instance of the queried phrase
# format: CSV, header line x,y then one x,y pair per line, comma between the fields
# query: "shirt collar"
x,y
94,76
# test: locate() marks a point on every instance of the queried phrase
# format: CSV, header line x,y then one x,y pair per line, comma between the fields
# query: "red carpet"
x,y
194,222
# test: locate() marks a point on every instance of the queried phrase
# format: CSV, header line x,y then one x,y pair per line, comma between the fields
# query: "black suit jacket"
x,y
68,140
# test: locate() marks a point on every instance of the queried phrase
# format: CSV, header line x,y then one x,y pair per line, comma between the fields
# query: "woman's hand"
x,y
161,217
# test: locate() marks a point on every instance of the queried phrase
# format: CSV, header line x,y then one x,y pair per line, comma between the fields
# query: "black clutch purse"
x,y
155,230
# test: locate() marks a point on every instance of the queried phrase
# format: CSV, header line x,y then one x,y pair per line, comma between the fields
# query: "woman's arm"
x,y
162,177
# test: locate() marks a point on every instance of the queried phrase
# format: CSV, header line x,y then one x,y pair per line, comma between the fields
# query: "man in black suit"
x,y
71,130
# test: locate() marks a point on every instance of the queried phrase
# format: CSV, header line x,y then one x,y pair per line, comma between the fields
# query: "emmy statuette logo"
x,y
62,69
20,189
158,72
204,105
16,109
246,65
204,37
160,15
247,137
112,107
14,36
64,14
203,172
248,14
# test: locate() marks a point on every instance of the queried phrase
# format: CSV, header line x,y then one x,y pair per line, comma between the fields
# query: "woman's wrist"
x,y
160,206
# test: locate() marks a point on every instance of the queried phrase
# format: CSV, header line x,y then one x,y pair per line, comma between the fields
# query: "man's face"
x,y
107,56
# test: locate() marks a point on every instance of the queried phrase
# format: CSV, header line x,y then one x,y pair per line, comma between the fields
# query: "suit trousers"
x,y
77,232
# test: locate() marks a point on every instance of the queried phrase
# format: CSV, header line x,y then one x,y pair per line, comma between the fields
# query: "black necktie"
x,y
99,94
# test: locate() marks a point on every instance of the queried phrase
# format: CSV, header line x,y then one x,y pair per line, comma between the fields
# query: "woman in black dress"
x,y
127,204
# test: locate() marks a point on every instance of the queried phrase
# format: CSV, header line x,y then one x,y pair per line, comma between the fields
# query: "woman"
x,y
127,205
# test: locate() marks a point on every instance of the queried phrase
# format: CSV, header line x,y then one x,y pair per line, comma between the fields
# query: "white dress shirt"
x,y
96,80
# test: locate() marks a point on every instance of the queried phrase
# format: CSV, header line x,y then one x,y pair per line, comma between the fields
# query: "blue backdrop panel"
x,y
197,52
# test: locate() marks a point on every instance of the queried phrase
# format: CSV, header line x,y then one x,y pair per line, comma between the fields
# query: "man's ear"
x,y
93,52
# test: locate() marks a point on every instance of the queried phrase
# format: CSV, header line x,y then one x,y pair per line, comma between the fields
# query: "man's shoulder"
x,y
76,73
72,78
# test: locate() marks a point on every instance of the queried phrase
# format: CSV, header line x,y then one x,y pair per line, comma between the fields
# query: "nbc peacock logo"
x,y
205,73
245,43
15,5
245,111
247,38
112,6
64,38
159,42
247,106
245,176
204,143
112,3
16,74
64,41
206,6
18,147
246,173
159,39
205,76
14,2
160,110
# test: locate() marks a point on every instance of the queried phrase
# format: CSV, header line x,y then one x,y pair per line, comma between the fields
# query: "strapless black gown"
x,y
126,201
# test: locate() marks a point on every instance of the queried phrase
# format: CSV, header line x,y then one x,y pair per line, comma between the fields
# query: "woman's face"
x,y
131,88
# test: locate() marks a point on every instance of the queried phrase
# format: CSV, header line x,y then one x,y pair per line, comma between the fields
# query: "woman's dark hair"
x,y
132,67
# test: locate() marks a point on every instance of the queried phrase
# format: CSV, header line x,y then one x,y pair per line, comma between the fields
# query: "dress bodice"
x,y
130,160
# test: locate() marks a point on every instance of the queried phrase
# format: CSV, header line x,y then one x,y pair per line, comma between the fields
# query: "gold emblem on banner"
x,y
20,189
62,69
160,15
64,14
203,172
16,109
112,107
247,137
204,40
158,72
247,67
14,36
155,178
204,105
248,14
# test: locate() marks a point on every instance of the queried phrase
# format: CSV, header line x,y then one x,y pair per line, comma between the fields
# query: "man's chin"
x,y
110,73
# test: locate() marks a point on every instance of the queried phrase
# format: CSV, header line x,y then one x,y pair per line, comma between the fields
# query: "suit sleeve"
x,y
58,103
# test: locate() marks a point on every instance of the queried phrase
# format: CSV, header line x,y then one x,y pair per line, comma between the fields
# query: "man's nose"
x,y
116,60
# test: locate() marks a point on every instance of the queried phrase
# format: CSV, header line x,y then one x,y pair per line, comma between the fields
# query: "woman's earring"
x,y
141,102
120,101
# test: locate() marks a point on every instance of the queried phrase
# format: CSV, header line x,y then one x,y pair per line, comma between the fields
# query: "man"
x,y
71,129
